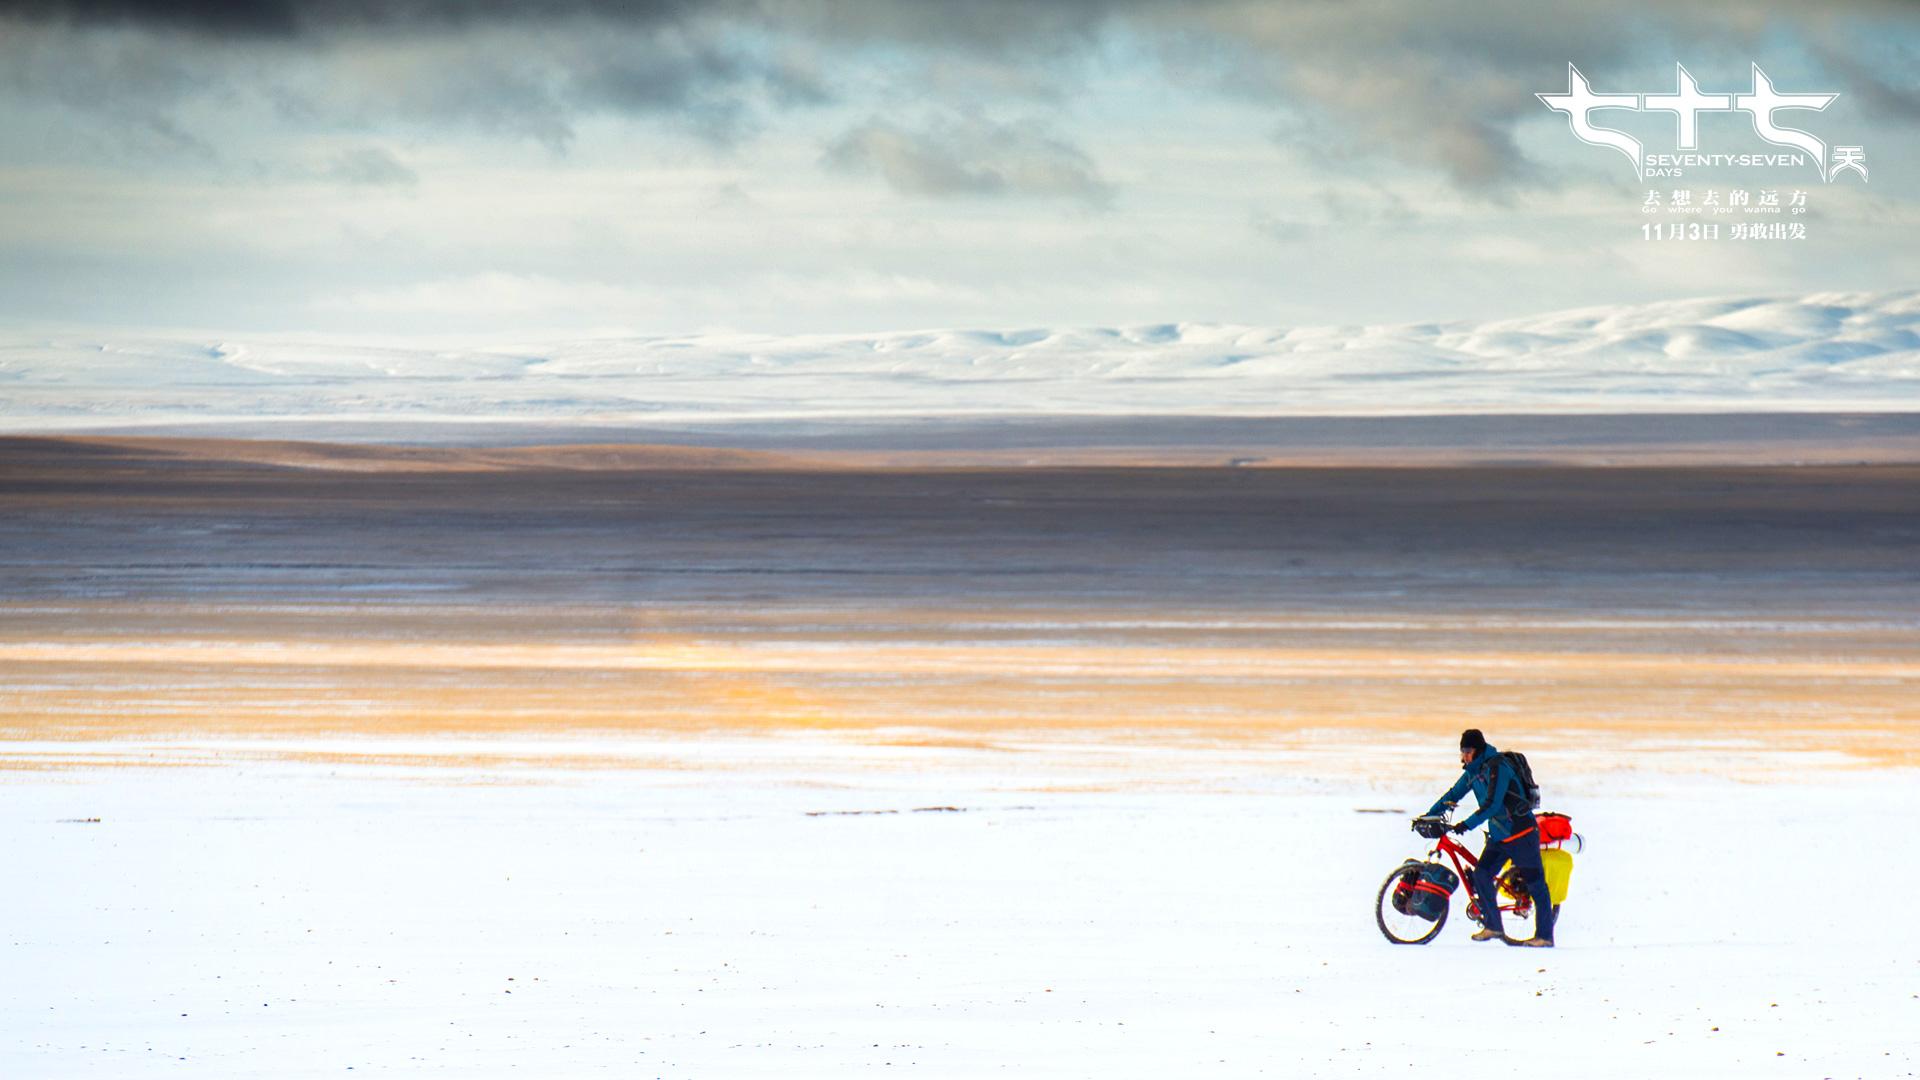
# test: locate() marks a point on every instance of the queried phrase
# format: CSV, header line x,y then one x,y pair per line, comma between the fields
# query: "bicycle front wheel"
x,y
1401,928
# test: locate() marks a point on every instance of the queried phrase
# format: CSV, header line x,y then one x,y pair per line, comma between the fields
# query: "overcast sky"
x,y
440,166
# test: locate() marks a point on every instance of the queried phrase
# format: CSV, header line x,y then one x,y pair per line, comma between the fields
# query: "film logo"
x,y
1761,102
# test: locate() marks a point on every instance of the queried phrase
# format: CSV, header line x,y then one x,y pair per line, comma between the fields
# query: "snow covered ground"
x,y
293,920
1829,351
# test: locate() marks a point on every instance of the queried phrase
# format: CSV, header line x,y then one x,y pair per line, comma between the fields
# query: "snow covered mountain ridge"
x,y
1827,351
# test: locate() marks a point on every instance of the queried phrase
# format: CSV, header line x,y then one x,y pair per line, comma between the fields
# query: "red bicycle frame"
x,y
1463,863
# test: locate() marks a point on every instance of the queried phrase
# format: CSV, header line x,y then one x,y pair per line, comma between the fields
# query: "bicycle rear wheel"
x,y
1402,929
1516,907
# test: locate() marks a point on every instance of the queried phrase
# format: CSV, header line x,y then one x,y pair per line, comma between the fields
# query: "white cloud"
x,y
491,294
964,157
374,166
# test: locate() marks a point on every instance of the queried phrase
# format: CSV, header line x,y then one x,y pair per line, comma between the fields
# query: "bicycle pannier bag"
x,y
1403,890
1558,866
1433,892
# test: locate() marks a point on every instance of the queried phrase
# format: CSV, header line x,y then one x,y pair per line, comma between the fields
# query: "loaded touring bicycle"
x,y
1415,899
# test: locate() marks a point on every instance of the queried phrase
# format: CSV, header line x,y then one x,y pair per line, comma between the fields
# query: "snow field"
x,y
297,920
1825,351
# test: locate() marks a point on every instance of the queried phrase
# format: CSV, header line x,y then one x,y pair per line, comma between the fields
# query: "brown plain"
x,y
168,589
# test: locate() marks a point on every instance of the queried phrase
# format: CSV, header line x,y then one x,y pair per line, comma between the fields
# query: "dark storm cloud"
x,y
290,18
1437,87
503,80
982,24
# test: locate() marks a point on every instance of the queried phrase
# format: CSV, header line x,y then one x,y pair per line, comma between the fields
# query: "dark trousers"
x,y
1525,855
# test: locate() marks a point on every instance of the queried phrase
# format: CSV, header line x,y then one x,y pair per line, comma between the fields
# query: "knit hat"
x,y
1471,739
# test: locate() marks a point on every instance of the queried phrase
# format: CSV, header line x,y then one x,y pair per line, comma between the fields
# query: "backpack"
x,y
1527,798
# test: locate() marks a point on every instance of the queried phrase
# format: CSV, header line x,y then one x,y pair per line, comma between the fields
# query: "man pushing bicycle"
x,y
1512,835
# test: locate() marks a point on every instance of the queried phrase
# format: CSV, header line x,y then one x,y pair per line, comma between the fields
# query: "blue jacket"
x,y
1489,776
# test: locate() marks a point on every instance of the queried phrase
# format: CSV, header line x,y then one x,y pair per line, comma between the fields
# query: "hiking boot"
x,y
1535,943
1488,935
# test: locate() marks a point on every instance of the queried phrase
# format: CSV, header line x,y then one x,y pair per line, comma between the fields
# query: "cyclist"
x,y
1511,836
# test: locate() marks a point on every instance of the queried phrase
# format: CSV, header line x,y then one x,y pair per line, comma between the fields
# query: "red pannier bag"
x,y
1554,828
